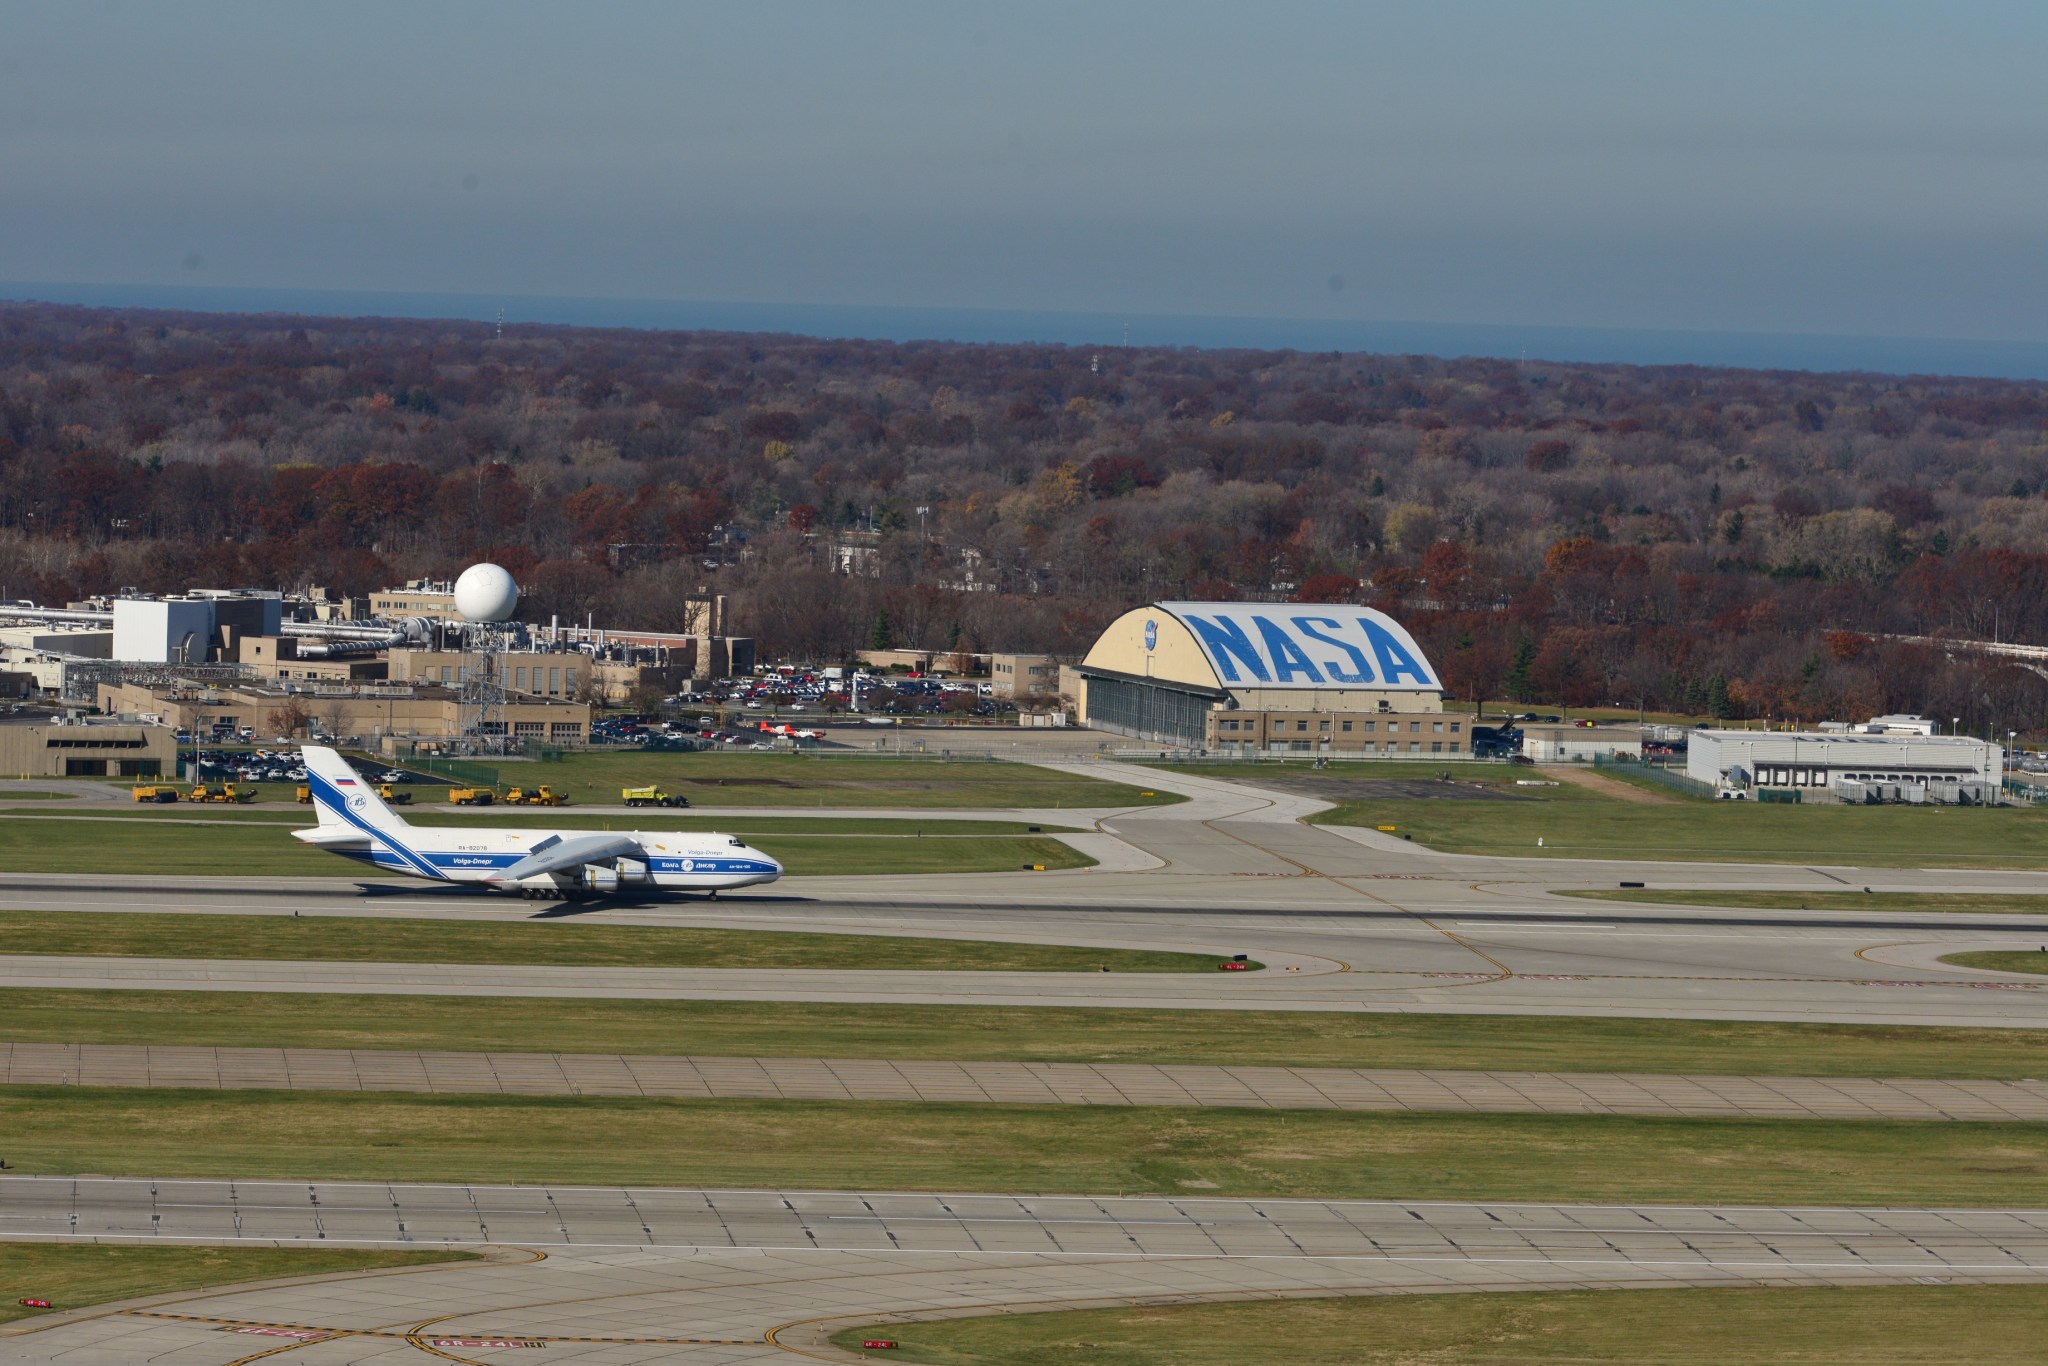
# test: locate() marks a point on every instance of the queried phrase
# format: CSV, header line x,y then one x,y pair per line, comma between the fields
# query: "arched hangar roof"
x,y
1265,645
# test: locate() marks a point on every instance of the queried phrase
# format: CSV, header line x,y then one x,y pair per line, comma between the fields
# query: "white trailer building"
x,y
1831,766
1581,744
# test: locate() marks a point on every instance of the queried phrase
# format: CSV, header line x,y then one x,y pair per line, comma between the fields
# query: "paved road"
x,y
742,1276
1026,1083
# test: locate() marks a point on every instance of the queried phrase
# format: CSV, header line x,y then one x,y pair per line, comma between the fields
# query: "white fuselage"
x,y
683,862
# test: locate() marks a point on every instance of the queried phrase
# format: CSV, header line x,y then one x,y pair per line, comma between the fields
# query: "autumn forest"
x,y
1740,543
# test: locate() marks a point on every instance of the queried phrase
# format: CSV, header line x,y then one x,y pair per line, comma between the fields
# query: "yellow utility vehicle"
x,y
159,793
396,796
533,796
228,792
472,796
650,796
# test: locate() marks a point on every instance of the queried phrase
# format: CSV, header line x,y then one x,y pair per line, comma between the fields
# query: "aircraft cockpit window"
x,y
737,842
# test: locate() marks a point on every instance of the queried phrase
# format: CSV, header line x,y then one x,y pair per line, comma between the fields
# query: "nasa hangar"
x,y
1267,678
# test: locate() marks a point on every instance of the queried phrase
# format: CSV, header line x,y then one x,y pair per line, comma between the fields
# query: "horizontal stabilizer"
x,y
556,855
334,837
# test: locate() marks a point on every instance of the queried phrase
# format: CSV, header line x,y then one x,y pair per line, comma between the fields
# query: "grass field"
x,y
1303,772
794,780
967,1033
362,939
78,1275
1573,822
1999,1325
1307,1154
457,818
801,780
1982,903
255,847
2001,961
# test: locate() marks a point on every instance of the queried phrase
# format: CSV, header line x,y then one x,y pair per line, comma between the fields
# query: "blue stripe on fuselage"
x,y
331,797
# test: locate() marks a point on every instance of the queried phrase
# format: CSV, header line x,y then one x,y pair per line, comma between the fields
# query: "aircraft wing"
x,y
556,854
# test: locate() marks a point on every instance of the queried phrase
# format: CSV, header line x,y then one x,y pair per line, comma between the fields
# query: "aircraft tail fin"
x,y
341,796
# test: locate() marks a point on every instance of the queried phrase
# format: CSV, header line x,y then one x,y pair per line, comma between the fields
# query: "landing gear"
x,y
542,893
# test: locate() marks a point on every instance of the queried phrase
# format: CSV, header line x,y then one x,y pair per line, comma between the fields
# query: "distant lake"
x,y
1758,350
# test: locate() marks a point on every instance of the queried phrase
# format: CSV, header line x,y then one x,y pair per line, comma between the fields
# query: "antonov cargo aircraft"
x,y
355,823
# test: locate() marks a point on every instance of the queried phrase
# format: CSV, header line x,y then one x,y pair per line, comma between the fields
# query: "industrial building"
x,y
215,638
434,600
1267,679
1853,767
90,747
370,711
79,641
1022,675
193,628
551,673
292,657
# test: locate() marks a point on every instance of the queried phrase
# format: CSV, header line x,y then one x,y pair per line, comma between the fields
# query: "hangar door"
x,y
1149,709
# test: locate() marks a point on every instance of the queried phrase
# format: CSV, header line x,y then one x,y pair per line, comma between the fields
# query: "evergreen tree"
x,y
883,636
1521,687
1718,705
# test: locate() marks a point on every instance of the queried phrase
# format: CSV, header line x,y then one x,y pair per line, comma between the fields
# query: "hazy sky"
x,y
1860,168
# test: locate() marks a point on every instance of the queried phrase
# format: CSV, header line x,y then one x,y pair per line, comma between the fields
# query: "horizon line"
x,y
1815,352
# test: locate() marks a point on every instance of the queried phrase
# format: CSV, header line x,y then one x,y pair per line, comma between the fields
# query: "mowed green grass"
x,y
795,780
79,1275
1303,772
1004,1033
259,848
1982,903
654,821
1573,822
800,780
2001,961
1307,1154
1996,1325
568,942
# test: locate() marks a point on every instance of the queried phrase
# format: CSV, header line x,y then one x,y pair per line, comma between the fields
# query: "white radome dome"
x,y
485,592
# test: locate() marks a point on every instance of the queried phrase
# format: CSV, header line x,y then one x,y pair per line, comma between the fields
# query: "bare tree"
x,y
289,719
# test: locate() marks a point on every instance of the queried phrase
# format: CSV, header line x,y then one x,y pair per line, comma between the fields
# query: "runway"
x,y
1434,947
615,1276
1344,920
1193,1085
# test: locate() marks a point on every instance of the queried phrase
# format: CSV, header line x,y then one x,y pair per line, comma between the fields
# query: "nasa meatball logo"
x,y
1151,634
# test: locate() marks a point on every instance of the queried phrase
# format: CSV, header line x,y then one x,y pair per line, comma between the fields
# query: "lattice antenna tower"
x,y
485,598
